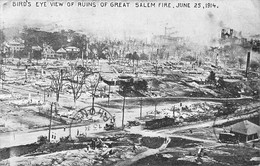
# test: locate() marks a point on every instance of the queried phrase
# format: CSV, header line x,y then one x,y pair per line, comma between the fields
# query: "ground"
x,y
25,115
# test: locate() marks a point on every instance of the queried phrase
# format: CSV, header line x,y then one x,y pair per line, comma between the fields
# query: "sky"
x,y
200,25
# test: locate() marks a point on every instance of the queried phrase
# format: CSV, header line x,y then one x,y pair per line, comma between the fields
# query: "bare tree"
x,y
2,74
77,78
57,83
92,84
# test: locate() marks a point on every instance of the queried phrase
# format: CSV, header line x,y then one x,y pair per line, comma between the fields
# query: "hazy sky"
x,y
198,24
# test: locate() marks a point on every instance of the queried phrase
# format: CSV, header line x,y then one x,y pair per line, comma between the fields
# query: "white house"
x,y
48,52
36,48
72,52
72,49
12,47
61,53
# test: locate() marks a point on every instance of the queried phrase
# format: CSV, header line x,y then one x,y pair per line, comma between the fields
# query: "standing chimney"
x,y
223,34
247,62
231,33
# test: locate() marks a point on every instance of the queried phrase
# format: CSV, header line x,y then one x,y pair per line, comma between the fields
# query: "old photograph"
x,y
129,83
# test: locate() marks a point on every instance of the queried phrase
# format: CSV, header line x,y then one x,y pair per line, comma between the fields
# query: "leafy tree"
x,y
79,41
100,48
2,36
126,86
37,54
188,58
128,56
221,83
241,62
20,54
212,77
32,36
30,39
140,85
112,54
2,74
254,65
144,57
56,40
135,57
2,56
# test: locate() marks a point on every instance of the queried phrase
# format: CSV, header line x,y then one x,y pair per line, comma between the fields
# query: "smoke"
x,y
211,17
221,24
211,31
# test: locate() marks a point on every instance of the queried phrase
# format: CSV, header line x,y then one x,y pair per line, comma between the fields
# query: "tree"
x,y
2,56
212,77
128,56
79,41
57,83
30,37
188,58
77,78
241,62
221,83
2,75
110,48
126,86
254,65
93,83
140,85
144,57
135,57
2,36
37,54
100,48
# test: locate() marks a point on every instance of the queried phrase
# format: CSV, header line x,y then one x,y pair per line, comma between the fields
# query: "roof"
x,y
13,43
245,127
72,48
48,49
36,48
61,50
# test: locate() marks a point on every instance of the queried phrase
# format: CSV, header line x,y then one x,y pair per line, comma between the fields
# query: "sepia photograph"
x,y
129,82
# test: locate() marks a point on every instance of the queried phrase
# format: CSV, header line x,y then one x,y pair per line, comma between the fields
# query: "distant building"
x,y
167,40
225,34
61,53
72,49
12,47
48,52
73,52
36,48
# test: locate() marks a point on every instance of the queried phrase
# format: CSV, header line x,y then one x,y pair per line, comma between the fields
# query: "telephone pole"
x,y
49,135
108,98
123,112
141,107
156,67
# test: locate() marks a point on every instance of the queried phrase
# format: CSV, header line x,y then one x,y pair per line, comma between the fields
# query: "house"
x,y
36,48
245,131
48,52
62,53
13,47
72,49
73,52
